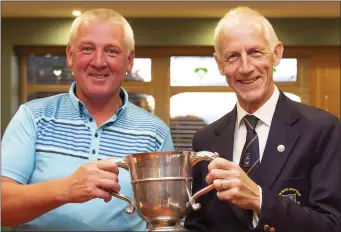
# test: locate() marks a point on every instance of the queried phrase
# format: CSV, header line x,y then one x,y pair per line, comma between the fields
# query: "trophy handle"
x,y
196,157
132,208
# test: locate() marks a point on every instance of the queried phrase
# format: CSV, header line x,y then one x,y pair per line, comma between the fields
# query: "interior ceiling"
x,y
171,9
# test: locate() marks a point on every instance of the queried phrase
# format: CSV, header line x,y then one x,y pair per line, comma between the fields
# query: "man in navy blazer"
x,y
291,178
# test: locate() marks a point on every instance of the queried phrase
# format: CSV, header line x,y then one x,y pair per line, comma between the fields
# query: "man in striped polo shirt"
x,y
55,149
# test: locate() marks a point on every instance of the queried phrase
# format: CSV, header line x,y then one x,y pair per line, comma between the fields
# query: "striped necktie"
x,y
250,159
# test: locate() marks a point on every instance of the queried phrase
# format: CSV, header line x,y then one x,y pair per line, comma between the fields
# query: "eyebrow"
x,y
86,42
255,47
228,53
90,42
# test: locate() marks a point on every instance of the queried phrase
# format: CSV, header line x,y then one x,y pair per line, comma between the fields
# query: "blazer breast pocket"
x,y
295,189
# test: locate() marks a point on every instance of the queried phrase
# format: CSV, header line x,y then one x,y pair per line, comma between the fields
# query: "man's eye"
x,y
87,50
232,58
112,51
256,52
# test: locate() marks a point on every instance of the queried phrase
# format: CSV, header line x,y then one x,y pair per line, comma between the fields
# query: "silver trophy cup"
x,y
162,185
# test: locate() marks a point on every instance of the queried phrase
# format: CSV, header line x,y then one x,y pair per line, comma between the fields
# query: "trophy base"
x,y
169,228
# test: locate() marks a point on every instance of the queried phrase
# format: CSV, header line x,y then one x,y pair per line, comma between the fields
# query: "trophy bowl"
x,y
162,185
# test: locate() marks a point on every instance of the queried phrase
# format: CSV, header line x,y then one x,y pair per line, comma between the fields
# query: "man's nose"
x,y
99,60
246,67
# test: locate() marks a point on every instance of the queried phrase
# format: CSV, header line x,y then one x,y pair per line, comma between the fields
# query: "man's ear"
x,y
69,54
278,53
131,58
219,63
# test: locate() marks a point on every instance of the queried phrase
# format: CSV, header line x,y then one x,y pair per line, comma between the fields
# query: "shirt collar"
x,y
78,104
264,113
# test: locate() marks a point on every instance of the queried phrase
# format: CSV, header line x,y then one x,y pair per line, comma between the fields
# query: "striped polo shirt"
x,y
51,137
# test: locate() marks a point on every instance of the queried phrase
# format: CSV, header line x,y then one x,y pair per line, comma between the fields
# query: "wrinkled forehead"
x,y
243,33
99,23
99,28
246,23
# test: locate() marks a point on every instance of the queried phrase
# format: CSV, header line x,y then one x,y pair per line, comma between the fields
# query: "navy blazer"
x,y
301,185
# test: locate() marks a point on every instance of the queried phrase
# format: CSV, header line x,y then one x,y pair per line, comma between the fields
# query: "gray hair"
x,y
242,11
105,14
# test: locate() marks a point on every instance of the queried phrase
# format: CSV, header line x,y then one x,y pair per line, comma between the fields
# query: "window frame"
x,y
159,87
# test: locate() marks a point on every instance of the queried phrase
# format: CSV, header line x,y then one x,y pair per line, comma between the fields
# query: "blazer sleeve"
x,y
324,211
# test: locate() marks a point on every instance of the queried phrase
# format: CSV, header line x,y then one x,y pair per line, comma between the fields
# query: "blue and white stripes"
x,y
62,129
52,137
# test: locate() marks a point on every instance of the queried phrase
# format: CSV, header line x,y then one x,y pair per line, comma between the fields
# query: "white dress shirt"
x,y
265,114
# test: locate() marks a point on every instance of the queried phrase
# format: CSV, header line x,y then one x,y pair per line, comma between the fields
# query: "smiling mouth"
x,y
98,76
249,81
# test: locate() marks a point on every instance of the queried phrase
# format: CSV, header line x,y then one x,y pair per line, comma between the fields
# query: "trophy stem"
x,y
177,228
165,226
170,228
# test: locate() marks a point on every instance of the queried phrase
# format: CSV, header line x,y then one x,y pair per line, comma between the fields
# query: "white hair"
x,y
242,12
103,14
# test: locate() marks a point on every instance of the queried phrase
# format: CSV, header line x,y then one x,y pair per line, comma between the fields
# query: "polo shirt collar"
x,y
80,106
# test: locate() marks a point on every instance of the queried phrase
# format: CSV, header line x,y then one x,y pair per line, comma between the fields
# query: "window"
x,y
145,101
142,70
40,95
190,112
286,71
48,69
203,71
52,69
195,71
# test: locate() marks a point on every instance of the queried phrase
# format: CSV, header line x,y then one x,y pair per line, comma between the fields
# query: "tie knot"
x,y
250,121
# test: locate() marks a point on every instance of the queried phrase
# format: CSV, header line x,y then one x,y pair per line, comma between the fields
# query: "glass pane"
x,y
142,100
286,71
40,95
190,112
52,69
48,69
203,71
142,70
293,97
195,71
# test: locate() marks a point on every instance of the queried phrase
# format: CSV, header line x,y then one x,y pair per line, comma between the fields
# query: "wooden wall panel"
x,y
325,75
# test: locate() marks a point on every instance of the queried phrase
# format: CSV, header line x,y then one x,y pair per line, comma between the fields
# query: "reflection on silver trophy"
x,y
162,184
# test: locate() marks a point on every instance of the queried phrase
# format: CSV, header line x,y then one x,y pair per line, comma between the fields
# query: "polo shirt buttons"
x,y
96,135
93,151
91,119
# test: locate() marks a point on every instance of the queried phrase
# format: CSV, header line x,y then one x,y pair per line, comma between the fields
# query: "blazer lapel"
x,y
224,132
282,138
224,146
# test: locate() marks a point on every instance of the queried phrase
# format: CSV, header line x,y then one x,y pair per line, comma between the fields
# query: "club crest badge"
x,y
247,160
291,194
